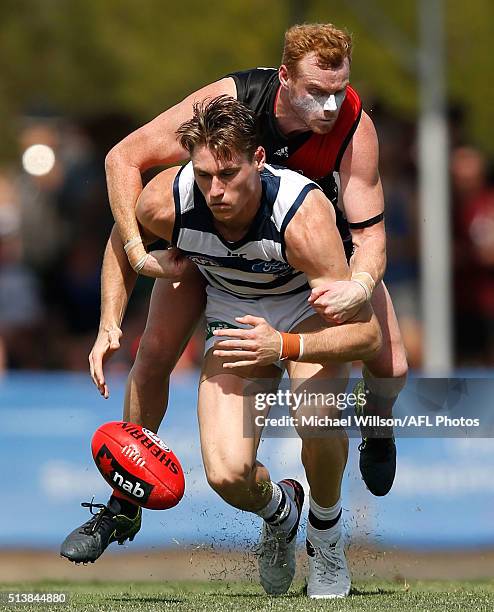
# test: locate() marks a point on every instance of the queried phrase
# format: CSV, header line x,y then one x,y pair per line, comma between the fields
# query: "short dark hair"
x,y
224,125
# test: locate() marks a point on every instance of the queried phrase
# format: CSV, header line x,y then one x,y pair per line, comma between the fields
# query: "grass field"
x,y
241,597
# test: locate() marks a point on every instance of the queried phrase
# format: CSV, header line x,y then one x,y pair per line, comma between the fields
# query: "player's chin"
x,y
322,126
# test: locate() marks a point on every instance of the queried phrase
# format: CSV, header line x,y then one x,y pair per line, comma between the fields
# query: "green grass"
x,y
242,597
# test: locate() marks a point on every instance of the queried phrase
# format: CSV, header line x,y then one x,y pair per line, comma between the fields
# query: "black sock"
x,y
381,406
378,407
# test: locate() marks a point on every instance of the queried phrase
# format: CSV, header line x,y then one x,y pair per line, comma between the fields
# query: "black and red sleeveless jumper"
x,y
316,156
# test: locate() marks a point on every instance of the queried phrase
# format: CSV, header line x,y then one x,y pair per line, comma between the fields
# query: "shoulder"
x,y
252,85
312,208
362,154
253,74
287,190
156,200
366,128
289,180
163,182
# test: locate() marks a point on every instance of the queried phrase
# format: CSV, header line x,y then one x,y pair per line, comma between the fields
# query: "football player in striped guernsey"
x,y
312,121
262,238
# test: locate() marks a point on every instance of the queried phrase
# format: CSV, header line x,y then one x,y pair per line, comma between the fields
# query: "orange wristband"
x,y
290,346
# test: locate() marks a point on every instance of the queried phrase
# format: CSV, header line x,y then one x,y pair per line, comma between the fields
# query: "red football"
x,y
138,464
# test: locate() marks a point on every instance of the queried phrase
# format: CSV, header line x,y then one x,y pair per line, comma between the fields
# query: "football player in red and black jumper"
x,y
311,121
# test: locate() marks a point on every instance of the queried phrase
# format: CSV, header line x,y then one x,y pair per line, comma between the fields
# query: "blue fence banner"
x,y
442,497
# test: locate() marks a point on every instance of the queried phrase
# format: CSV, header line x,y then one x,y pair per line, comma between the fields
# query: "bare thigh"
x,y
173,314
174,311
226,412
324,445
328,375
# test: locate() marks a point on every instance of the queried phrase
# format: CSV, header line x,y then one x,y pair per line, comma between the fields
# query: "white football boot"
x,y
276,549
329,576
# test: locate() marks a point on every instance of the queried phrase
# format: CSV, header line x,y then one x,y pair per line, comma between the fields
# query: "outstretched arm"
x,y
154,144
118,278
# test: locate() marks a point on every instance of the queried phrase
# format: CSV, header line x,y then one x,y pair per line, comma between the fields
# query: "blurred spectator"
x,y
54,225
21,309
42,229
473,197
399,179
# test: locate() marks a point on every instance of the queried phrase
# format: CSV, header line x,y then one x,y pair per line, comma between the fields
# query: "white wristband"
x,y
140,264
132,243
300,355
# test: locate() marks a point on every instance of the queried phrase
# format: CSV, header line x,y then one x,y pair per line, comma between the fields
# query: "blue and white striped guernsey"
x,y
256,265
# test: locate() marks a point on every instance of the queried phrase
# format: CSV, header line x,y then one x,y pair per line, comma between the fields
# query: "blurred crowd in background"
x,y
54,226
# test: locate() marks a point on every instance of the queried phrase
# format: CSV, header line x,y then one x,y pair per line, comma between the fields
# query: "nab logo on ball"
x,y
138,464
120,478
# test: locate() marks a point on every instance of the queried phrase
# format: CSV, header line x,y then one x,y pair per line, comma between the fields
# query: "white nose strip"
x,y
330,104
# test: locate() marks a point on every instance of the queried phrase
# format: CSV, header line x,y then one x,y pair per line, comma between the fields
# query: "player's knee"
x,y
317,451
154,357
400,366
386,379
391,363
229,481
398,361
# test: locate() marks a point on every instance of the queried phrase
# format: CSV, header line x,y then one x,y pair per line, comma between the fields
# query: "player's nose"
x,y
217,188
330,104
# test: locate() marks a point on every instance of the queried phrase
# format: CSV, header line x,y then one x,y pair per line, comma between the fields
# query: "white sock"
x,y
280,513
324,514
272,505
328,535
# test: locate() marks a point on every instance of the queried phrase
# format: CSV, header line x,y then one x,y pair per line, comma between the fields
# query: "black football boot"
x,y
88,542
377,451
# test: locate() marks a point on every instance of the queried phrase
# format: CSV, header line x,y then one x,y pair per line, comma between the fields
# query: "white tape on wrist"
x,y
365,280
132,243
300,355
364,287
372,282
140,264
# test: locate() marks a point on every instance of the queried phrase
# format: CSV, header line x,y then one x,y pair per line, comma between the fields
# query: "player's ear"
x,y
260,158
283,76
